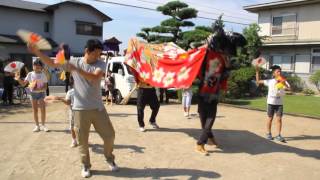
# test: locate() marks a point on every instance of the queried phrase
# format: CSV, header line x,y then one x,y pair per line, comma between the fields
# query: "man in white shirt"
x,y
274,100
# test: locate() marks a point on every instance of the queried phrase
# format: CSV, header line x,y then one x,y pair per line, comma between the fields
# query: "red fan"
x,y
14,66
260,61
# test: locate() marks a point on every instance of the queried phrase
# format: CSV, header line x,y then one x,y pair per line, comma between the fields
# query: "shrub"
x,y
308,92
239,82
295,82
315,79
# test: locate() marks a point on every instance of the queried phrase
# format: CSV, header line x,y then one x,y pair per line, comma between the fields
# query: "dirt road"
x,y
167,153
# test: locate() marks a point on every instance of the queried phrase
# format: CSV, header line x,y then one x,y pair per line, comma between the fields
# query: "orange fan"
x,y
60,58
280,82
31,37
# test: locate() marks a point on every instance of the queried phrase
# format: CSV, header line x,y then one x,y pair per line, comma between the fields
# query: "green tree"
x,y
145,34
315,79
180,14
170,30
196,37
254,44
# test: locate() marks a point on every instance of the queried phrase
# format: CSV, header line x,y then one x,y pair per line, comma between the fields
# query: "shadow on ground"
x,y
14,109
238,102
157,173
241,141
98,148
121,114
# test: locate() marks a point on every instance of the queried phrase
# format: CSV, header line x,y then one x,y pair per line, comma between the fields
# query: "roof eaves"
x,y
54,6
23,5
268,5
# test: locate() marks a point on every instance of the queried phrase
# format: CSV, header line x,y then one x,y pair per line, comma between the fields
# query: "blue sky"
x,y
128,21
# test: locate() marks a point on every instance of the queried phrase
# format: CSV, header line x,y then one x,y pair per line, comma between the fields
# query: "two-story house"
x,y
291,31
71,22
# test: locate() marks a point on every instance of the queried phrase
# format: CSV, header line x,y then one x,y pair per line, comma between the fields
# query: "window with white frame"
x,y
284,61
285,24
315,61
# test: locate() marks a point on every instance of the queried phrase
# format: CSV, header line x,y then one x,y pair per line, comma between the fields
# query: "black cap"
x,y
274,67
93,44
37,62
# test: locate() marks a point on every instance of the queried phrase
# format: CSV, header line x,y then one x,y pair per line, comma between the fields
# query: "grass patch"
x,y
294,104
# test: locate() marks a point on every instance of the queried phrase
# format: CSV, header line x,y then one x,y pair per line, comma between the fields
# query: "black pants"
x,y
66,84
147,96
164,91
8,83
47,90
208,112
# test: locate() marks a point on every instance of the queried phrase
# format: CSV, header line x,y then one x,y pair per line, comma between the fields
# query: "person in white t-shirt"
x,y
274,100
37,85
68,100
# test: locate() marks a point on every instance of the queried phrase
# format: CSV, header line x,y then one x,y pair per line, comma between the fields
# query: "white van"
x,y
123,77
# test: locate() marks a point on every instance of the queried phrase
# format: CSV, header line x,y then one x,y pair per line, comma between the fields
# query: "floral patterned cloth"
x,y
164,65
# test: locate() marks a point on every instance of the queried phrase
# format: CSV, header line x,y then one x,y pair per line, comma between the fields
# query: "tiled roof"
x,y
20,4
13,39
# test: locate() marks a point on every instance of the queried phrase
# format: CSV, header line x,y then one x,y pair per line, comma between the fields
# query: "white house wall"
x,y
302,64
308,21
301,55
13,19
264,23
64,26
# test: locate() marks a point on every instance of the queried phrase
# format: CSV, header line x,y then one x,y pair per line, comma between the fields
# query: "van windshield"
x,y
129,69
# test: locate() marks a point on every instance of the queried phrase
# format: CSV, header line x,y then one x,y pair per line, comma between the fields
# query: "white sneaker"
x,y
85,172
113,166
44,128
185,114
36,129
74,144
142,129
154,125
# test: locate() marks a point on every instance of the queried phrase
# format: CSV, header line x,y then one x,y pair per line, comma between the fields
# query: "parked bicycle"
x,y
20,93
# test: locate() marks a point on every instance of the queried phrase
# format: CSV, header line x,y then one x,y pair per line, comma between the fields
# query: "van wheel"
x,y
118,97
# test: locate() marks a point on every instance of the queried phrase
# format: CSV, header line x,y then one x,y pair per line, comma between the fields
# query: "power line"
x,y
206,12
211,7
151,9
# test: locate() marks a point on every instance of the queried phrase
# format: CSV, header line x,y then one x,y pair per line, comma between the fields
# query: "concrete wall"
x,y
264,22
13,19
64,25
307,21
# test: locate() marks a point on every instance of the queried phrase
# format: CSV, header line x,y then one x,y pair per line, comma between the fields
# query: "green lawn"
x,y
304,105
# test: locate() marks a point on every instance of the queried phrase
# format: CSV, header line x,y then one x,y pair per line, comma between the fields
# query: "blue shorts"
x,y
37,95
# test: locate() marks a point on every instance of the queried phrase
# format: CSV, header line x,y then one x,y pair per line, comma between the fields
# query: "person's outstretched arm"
x,y
20,81
258,80
65,101
44,58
